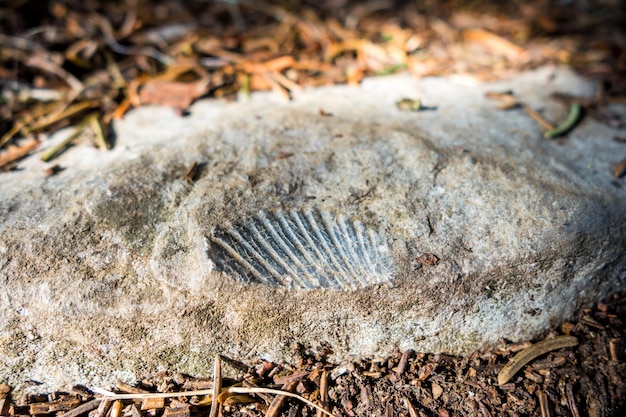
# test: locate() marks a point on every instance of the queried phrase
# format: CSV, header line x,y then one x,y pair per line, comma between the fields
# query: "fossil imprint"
x,y
302,249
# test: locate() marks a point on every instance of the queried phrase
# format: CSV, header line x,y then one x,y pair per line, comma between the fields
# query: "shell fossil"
x,y
302,249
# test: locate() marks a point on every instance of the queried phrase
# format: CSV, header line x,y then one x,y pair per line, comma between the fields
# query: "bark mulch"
x,y
588,379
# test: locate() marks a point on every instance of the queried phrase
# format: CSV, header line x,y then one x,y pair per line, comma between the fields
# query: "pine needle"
x,y
217,386
211,392
114,396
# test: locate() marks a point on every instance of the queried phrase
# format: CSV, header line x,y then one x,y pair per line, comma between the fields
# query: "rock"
x,y
361,226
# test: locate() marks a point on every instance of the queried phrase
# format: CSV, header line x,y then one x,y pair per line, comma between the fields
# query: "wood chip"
x,y
152,404
182,411
436,390
544,404
483,409
278,401
116,409
323,392
54,406
427,259
134,411
507,100
103,408
82,409
616,349
410,407
404,361
4,406
296,376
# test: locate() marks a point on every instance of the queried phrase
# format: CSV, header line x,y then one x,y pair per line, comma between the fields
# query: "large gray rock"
x,y
371,229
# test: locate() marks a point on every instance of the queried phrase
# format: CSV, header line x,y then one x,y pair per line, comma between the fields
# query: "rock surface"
x,y
368,229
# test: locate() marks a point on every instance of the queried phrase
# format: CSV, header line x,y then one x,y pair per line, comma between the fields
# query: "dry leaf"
x,y
495,43
176,94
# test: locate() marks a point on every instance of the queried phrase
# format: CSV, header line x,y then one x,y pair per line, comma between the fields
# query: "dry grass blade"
x,y
38,112
96,126
217,386
532,352
11,132
62,114
575,112
538,118
38,61
48,156
214,392
111,395
259,390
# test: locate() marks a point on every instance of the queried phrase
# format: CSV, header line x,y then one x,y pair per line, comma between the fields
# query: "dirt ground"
x,y
86,63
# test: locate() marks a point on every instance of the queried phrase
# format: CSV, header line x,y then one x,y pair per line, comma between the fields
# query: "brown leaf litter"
x,y
111,56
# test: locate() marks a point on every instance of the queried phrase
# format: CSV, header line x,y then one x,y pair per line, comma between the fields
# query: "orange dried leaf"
x,y
338,48
119,111
277,64
259,82
494,42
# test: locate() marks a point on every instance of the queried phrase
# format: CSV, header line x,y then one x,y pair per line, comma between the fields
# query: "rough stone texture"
x,y
107,270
